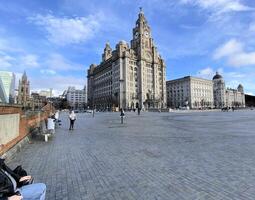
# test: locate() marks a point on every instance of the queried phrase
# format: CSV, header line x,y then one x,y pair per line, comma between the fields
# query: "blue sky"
x,y
56,41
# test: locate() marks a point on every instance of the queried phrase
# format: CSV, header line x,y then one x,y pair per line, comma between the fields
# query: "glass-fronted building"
x,y
7,93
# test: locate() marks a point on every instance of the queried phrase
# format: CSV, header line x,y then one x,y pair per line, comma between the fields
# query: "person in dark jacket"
x,y
13,186
138,110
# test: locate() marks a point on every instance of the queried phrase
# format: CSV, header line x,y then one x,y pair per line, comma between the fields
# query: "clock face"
x,y
136,35
146,34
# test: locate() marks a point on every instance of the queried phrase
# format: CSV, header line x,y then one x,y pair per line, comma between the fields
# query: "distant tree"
x,y
64,104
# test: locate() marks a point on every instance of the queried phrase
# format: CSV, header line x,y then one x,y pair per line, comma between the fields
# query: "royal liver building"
x,y
129,76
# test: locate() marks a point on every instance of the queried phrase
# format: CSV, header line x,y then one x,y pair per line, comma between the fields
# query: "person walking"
x,y
122,115
72,118
138,110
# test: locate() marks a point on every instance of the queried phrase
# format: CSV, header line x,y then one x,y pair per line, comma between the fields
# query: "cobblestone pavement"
x,y
170,156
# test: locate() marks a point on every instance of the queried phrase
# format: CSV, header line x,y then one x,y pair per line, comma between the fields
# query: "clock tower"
x,y
130,76
151,67
142,41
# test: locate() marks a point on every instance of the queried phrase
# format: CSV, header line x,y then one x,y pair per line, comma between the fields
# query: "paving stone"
x,y
154,156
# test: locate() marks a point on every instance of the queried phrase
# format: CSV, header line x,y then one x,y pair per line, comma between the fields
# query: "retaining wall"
x,y
15,124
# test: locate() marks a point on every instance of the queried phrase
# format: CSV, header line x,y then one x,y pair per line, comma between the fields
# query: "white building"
x,y
7,93
219,91
46,93
235,97
130,76
202,93
190,91
227,97
77,99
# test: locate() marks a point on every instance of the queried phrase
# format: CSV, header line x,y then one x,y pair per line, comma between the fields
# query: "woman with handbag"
x,y
15,186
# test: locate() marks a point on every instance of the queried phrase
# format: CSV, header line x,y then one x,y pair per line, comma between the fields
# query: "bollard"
x,y
46,137
121,119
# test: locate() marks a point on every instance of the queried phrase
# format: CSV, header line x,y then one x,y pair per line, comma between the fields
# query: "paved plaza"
x,y
170,156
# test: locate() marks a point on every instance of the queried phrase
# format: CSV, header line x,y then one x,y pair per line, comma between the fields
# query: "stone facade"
x,y
190,91
219,91
24,92
129,76
200,93
227,97
235,97
38,101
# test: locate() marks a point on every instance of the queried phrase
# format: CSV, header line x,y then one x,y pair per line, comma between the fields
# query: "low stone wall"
x,y
159,110
16,124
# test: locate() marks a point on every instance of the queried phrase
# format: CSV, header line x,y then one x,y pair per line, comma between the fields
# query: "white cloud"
x,y
47,71
252,27
232,75
62,31
30,60
242,59
20,62
219,6
5,60
229,48
58,62
3,44
232,79
10,45
219,10
206,73
235,54
59,83
250,93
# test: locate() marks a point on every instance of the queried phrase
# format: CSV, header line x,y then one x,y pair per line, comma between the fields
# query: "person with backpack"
x,y
16,185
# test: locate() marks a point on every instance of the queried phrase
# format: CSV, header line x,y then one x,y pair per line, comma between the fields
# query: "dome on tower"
x,y
240,86
217,76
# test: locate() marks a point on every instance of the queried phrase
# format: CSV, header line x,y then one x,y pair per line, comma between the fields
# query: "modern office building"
x,y
3,97
190,92
7,92
77,99
129,76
